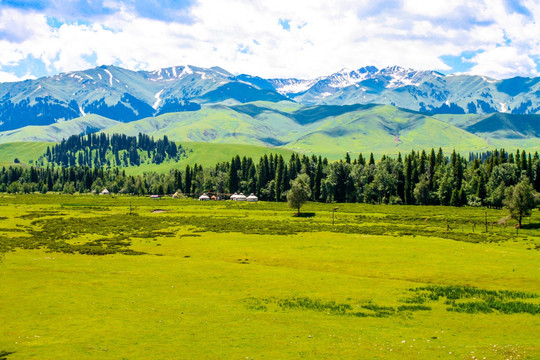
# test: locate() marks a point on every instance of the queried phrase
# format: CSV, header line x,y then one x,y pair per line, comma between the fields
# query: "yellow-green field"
x,y
181,279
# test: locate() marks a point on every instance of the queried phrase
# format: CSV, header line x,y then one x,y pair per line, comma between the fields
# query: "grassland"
x,y
24,151
180,279
209,154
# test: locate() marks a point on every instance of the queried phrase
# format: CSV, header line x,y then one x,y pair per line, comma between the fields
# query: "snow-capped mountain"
x,y
424,91
126,95
113,92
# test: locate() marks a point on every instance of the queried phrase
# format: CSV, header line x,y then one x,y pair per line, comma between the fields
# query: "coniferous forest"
x,y
119,150
83,164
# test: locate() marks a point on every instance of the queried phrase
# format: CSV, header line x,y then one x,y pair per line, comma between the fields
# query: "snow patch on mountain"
x,y
110,76
36,90
346,77
158,99
292,86
185,71
203,75
399,77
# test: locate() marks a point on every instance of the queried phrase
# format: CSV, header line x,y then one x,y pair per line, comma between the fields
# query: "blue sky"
x,y
280,38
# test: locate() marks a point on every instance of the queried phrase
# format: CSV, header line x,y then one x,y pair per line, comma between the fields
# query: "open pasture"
x,y
81,278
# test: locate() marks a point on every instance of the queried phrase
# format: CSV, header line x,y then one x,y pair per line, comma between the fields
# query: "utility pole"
x,y
333,210
486,223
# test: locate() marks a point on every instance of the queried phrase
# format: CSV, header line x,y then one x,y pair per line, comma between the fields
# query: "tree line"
x,y
117,150
423,178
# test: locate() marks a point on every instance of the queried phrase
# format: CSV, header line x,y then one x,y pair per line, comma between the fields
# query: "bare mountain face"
x,y
124,95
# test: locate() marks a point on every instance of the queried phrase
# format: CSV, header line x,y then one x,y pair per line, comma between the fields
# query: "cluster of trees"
x,y
416,178
117,150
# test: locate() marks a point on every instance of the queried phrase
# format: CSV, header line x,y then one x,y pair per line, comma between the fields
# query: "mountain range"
x,y
125,95
369,109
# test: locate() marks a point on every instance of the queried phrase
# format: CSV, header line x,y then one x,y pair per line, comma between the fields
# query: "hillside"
x,y
58,131
25,152
205,154
329,130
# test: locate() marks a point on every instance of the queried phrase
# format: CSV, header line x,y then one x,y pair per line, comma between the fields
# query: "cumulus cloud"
x,y
10,77
249,36
503,62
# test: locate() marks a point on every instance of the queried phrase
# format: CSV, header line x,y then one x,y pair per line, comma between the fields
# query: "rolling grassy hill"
x,y
385,130
24,151
58,131
329,130
208,154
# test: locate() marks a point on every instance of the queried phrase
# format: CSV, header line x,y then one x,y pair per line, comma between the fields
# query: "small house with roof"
x,y
204,197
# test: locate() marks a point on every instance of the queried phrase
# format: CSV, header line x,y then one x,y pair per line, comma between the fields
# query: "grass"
x,y
220,280
57,131
24,151
209,154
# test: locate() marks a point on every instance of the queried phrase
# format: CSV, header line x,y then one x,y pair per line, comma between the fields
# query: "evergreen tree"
x,y
279,177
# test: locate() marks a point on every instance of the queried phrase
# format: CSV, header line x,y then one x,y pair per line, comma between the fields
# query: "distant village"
x,y
205,197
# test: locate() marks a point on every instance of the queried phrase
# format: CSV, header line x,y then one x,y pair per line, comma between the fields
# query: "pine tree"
x,y
187,188
318,180
279,177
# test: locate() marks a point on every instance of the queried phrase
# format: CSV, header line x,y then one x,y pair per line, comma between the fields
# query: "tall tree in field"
x,y
299,192
520,200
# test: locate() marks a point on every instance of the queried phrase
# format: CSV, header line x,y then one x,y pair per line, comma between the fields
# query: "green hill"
x,y
208,154
58,131
25,152
216,124
385,130
329,130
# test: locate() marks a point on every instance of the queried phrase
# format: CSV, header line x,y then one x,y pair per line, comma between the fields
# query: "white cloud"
x,y
431,8
10,77
503,62
245,36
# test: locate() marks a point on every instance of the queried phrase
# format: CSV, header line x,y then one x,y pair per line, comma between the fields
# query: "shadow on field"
x,y
305,215
4,354
531,226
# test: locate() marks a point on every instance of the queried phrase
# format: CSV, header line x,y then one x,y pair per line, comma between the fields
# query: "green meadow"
x,y
99,277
